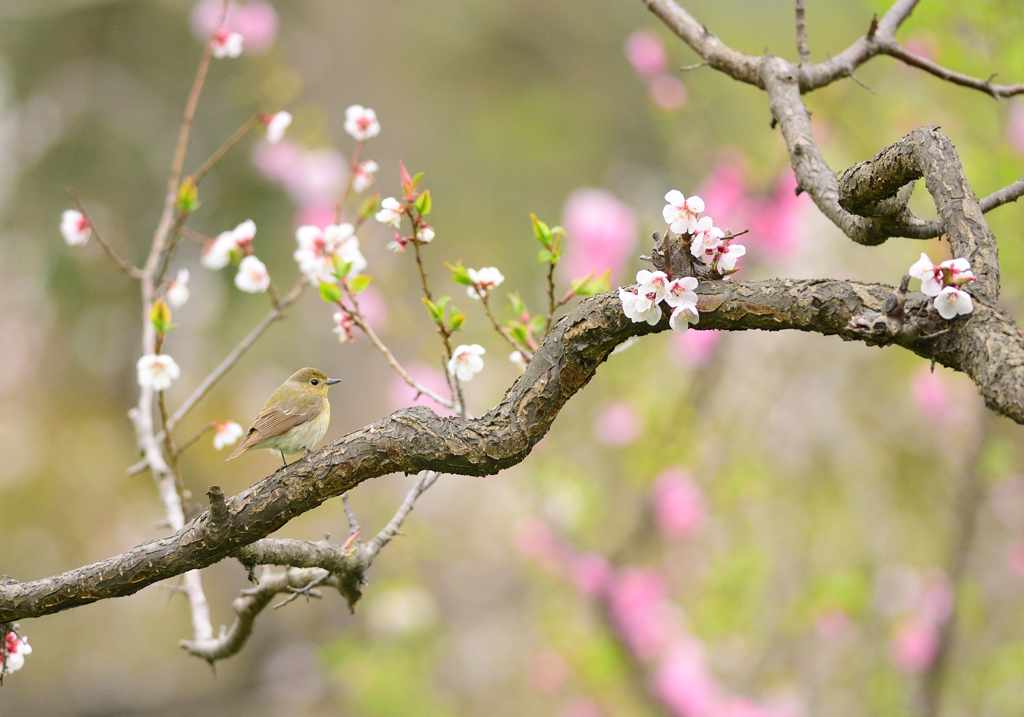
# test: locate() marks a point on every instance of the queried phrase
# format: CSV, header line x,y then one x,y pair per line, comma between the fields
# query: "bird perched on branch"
x,y
295,417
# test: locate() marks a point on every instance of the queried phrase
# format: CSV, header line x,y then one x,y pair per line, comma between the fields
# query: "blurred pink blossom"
x,y
694,348
591,572
923,44
679,506
311,177
668,93
602,233
580,707
683,684
547,671
1008,502
320,216
534,539
1015,558
930,394
915,645
1015,126
725,193
833,625
641,611
256,21
403,395
645,51
739,707
618,424
936,601
375,311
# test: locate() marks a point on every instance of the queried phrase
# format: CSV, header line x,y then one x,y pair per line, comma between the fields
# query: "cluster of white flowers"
x,y
157,371
944,282
466,362
177,289
16,647
226,434
227,44
276,125
361,122
707,242
252,276
484,281
74,227
343,323
322,251
644,302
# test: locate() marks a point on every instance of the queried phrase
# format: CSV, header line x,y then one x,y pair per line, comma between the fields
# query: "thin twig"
x,y
353,165
353,524
230,142
503,331
894,49
801,33
426,479
551,298
126,266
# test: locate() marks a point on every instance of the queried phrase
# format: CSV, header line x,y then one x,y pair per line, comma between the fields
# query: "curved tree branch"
x,y
986,345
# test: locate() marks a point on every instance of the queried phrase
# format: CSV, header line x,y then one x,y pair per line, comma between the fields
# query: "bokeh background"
x,y
750,524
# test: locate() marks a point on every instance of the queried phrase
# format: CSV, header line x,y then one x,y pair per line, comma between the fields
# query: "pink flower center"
x,y
83,224
364,123
12,643
221,37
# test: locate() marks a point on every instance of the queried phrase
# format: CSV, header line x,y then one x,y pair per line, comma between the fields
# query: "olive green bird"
x,y
294,419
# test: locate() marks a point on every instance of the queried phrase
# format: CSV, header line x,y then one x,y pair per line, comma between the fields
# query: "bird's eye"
x,y
314,382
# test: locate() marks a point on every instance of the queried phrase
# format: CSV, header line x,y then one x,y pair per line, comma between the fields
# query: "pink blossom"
x,y
547,671
374,309
936,601
320,216
695,348
930,394
776,223
739,707
679,506
923,44
591,573
645,51
833,625
403,395
1015,126
602,234
683,683
580,707
667,93
915,645
1015,558
618,424
725,194
310,177
534,539
641,612
256,21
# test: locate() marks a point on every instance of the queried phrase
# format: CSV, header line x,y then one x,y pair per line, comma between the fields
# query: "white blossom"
x,y
681,213
519,360
929,274
343,323
252,276
424,234
227,434
227,44
276,125
640,307
362,177
361,122
727,256
17,647
959,270
652,282
466,362
682,316
177,290
217,253
74,227
322,251
706,240
952,302
157,371
390,212
681,292
484,281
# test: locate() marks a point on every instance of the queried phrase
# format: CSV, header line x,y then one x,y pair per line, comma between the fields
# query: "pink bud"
x,y
668,93
915,645
646,53
678,504
618,425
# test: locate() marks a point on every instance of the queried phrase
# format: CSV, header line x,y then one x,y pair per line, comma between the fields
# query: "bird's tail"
x,y
242,447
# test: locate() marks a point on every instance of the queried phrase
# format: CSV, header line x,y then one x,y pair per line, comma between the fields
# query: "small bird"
x,y
295,417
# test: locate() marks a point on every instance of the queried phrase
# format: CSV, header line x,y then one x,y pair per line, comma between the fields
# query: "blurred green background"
x,y
829,472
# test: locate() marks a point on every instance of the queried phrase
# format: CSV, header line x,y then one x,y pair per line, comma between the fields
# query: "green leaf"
x,y
518,332
536,323
590,285
459,274
442,301
423,203
359,284
342,270
545,256
330,293
436,313
188,196
518,307
369,207
416,180
457,320
541,230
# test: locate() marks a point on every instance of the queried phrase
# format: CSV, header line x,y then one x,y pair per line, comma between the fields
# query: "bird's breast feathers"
x,y
301,437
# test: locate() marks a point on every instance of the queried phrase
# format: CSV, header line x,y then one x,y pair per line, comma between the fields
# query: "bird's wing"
x,y
277,419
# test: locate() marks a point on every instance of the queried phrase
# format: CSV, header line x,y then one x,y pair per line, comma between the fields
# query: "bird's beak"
x,y
332,381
